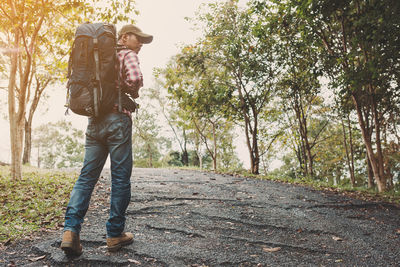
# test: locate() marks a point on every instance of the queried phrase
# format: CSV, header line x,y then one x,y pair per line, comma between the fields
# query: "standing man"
x,y
109,134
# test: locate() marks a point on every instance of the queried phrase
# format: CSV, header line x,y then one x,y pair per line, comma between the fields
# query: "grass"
x,y
35,202
392,196
346,189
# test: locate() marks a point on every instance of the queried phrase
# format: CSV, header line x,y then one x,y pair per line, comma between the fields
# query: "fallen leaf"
x,y
271,249
134,261
339,260
336,238
37,258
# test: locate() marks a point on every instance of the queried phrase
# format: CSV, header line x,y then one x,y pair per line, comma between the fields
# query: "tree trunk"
x,y
352,173
38,156
17,137
200,160
305,144
16,120
246,131
371,183
381,182
198,153
214,148
256,152
185,157
375,163
40,87
26,159
310,158
346,146
250,131
150,156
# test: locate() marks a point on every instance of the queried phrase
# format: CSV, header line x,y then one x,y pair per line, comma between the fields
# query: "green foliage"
x,y
175,159
361,192
148,143
36,202
228,73
59,145
354,44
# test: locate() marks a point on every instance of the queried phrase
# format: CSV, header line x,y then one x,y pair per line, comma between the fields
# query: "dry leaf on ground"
x,y
134,261
37,258
271,249
336,238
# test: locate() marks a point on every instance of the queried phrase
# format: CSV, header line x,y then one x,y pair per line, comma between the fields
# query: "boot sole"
x,y
120,245
69,250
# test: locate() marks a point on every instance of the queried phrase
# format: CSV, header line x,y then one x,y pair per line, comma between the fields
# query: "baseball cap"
x,y
143,37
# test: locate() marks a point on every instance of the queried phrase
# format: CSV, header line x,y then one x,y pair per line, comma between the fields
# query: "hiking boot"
x,y
71,244
115,243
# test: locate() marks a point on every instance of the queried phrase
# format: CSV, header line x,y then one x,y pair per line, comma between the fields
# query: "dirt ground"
x,y
191,218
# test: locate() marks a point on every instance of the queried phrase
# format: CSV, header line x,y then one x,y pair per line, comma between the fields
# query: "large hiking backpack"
x,y
92,70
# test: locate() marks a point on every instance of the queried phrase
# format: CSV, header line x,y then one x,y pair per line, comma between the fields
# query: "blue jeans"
x,y
111,134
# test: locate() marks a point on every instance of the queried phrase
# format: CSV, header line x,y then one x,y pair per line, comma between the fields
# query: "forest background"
x,y
312,85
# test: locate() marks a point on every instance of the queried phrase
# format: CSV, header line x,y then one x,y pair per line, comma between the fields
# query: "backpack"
x,y
92,72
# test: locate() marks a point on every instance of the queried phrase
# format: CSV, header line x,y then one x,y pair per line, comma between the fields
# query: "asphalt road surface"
x,y
192,218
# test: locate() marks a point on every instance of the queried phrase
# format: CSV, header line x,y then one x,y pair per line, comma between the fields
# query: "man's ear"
x,y
124,37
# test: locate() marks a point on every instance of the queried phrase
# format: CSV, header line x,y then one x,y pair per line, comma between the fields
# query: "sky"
x,y
165,20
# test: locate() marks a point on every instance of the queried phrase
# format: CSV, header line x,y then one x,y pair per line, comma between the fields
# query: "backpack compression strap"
x,y
98,81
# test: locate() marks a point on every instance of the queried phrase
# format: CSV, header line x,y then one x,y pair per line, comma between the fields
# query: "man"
x,y
109,134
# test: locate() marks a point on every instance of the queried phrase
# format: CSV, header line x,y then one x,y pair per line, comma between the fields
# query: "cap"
x,y
143,37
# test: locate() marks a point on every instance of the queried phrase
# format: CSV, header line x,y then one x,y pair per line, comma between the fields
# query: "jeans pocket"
x,y
119,129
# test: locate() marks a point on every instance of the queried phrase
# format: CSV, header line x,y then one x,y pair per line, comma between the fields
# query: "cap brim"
x,y
144,38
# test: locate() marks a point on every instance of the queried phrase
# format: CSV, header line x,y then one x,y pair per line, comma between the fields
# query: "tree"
x,y
358,45
23,25
192,81
59,145
147,142
175,117
39,79
299,86
232,44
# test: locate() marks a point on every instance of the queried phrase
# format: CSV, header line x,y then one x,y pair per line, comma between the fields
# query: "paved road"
x,y
190,218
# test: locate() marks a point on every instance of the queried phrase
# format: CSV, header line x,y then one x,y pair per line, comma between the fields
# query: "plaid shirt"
x,y
130,73
131,78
